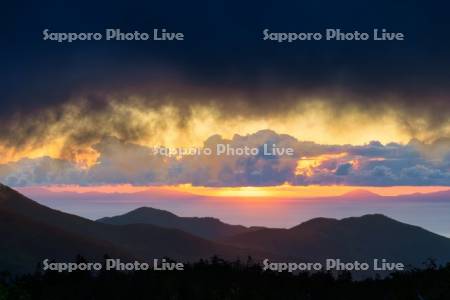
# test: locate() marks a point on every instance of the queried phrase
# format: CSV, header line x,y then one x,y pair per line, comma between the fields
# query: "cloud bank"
x,y
119,162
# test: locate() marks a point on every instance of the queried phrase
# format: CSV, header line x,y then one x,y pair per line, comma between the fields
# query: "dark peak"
x,y
5,190
146,211
316,222
3,187
150,210
371,220
324,222
360,193
369,217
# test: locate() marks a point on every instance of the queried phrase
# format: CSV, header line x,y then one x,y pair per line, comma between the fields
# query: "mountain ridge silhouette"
x,y
33,232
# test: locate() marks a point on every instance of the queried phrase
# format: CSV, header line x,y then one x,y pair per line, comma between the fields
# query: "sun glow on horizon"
x,y
265,192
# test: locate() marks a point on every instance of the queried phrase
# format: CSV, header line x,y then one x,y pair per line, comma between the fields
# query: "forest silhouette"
x,y
218,279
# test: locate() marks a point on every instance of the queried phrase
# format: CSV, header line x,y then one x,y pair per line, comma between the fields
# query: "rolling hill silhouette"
x,y
356,238
25,243
32,232
208,228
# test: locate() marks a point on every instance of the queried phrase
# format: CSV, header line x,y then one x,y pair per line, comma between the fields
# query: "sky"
x,y
356,113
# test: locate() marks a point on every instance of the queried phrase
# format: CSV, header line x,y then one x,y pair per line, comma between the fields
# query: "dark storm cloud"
x,y
223,60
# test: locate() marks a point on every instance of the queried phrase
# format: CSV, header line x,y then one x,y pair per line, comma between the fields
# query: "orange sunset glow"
x,y
282,191
306,165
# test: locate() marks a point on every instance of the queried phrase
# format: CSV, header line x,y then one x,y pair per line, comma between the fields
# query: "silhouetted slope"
x,y
143,241
24,243
362,238
30,232
208,228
